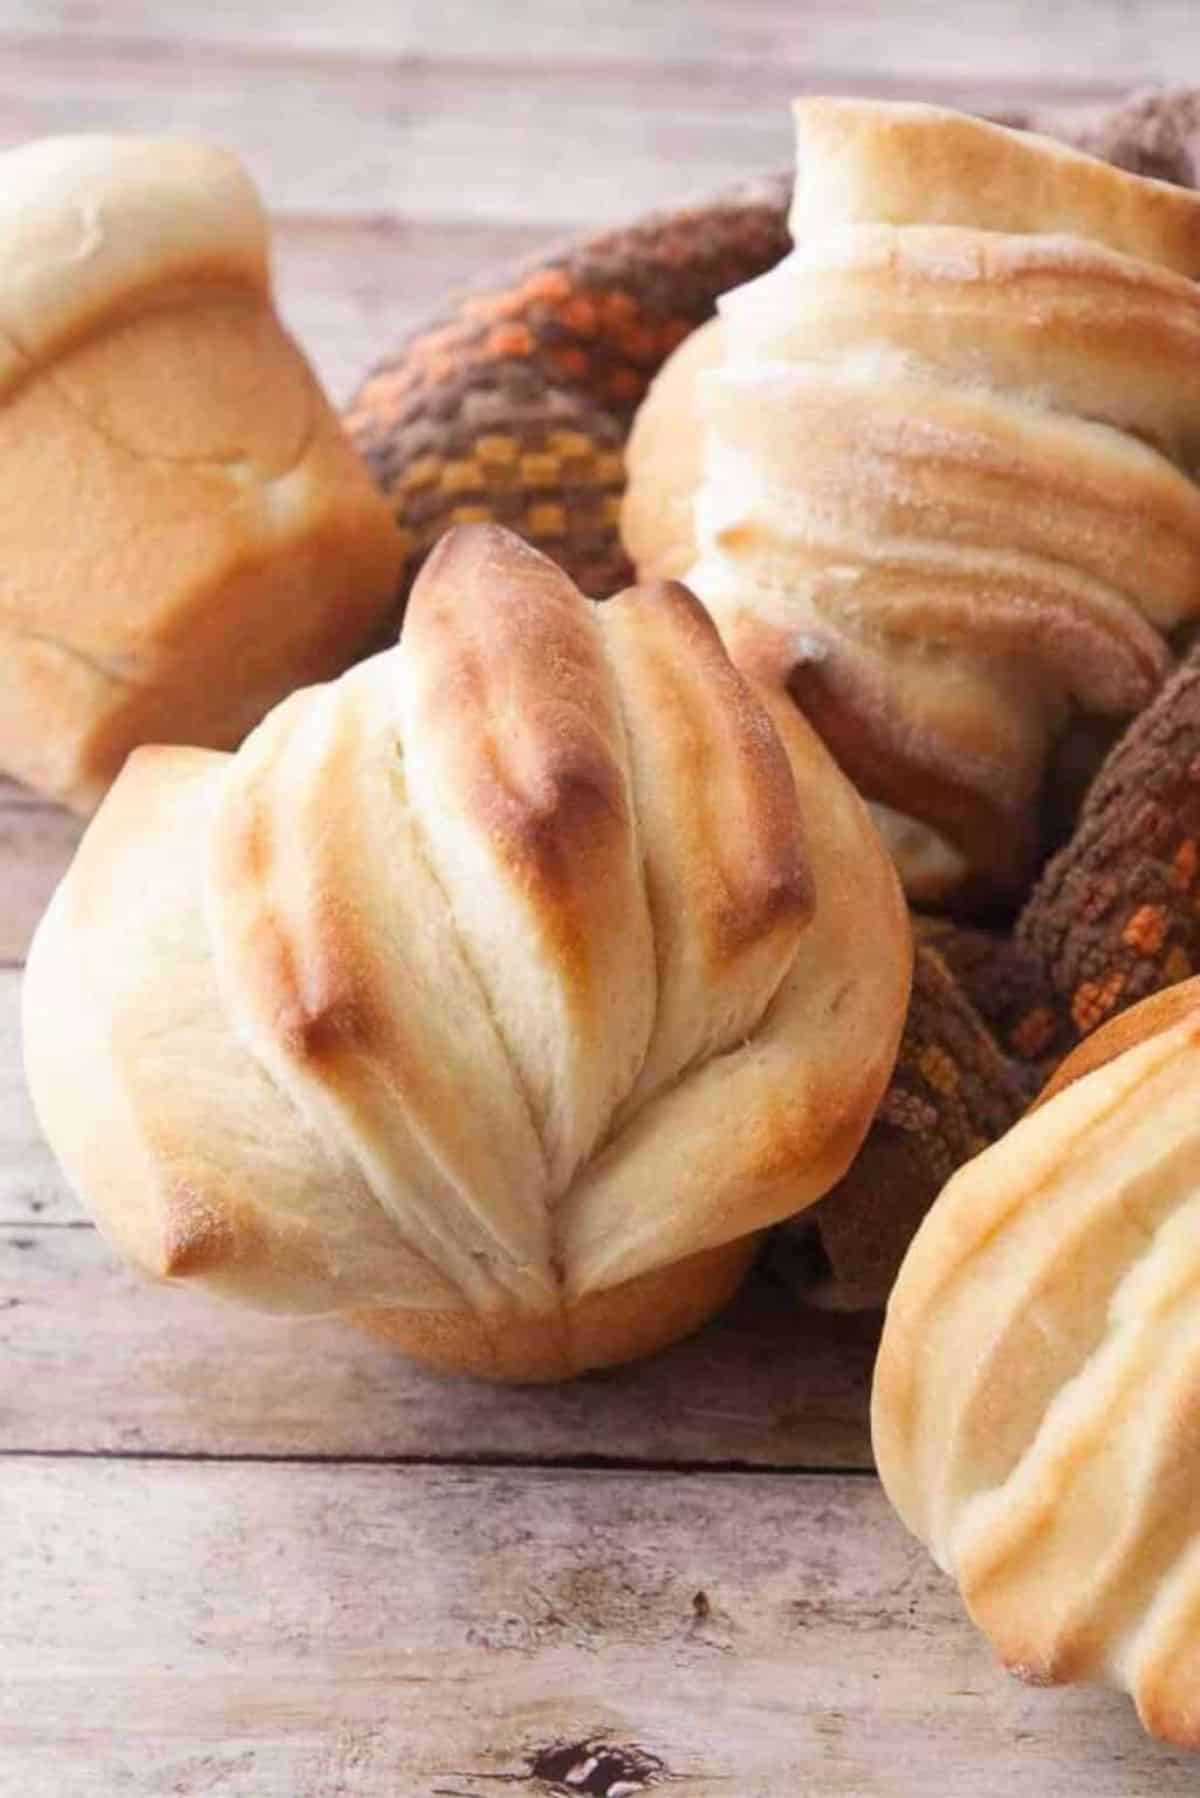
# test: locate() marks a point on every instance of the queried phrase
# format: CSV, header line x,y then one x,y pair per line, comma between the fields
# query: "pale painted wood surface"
x,y
267,1559
265,1631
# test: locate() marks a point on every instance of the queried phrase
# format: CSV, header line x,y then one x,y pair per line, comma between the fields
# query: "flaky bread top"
x,y
1054,322
899,163
1034,1410
944,452
90,226
533,954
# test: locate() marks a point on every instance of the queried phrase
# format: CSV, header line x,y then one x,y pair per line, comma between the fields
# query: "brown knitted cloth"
x,y
514,405
1115,916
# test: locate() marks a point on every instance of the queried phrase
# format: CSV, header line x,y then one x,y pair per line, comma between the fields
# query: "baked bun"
x,y
1036,1411
187,535
495,995
941,455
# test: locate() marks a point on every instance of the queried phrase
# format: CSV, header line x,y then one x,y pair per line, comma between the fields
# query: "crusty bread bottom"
x,y
619,1324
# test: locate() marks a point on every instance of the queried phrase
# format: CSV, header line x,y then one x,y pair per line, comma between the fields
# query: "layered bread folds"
x,y
496,994
937,465
1036,1411
187,535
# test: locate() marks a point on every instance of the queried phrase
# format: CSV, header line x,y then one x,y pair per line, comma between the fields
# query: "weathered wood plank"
x,y
416,138
266,1631
32,1190
1096,39
36,844
96,1358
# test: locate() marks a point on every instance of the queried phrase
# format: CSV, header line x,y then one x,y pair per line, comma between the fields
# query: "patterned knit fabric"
x,y
514,405
1114,917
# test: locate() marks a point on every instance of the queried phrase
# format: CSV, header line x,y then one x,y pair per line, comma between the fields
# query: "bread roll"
x,y
186,533
942,455
1035,1411
495,995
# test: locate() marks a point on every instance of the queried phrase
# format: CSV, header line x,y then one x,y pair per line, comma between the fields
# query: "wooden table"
x,y
269,1560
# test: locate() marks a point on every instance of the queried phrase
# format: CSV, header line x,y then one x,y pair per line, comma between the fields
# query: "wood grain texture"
x,y
1017,41
544,142
96,1358
36,844
414,138
32,1191
351,290
285,1631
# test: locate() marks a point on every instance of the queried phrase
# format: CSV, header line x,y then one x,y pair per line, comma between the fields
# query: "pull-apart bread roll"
x,y
941,459
495,995
186,533
1036,1411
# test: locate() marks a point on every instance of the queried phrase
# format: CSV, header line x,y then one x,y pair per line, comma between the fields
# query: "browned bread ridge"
x,y
933,470
495,995
1035,1403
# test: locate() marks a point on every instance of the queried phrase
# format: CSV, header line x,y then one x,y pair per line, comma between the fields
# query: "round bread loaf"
x,y
1035,1404
495,995
941,457
186,533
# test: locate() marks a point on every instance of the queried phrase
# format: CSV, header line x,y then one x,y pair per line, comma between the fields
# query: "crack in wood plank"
x,y
482,1462
595,1767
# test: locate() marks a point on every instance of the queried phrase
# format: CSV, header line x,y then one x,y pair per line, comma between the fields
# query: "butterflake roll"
x,y
187,535
495,995
1035,1402
941,457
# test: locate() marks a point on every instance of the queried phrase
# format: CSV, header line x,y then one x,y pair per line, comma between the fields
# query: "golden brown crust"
x,y
783,1120
1067,323
934,486
1034,1412
522,702
95,228
601,1329
744,784
665,459
364,1039
898,163
510,704
190,536
945,457
729,886
959,783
